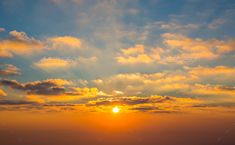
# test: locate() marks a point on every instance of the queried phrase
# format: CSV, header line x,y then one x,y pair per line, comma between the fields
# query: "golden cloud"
x,y
19,44
218,74
192,82
9,69
53,64
196,48
61,41
3,93
137,55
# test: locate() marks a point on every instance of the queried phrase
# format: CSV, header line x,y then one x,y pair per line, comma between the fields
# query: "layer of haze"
x,y
24,128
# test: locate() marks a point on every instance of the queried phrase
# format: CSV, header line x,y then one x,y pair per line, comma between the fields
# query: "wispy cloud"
x,y
9,69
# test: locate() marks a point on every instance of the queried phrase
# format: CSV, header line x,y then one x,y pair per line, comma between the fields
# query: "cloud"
x,y
215,75
154,104
2,29
138,55
87,60
46,87
216,91
181,49
216,23
140,83
73,94
65,41
51,90
15,102
131,100
215,82
172,26
54,64
2,93
9,69
177,49
19,44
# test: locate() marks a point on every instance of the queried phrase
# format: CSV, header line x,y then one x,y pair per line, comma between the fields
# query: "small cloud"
x,y
2,93
175,26
9,69
87,60
53,64
65,41
216,23
2,29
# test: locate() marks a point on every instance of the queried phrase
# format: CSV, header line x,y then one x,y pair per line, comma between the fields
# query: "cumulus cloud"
x,y
9,69
54,64
214,82
216,75
51,90
138,55
177,49
65,41
19,44
137,83
190,49
46,87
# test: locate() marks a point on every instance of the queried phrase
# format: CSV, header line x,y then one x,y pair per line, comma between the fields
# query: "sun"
x,y
115,110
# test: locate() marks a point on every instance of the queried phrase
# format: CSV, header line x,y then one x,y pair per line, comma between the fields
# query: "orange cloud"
x,y
69,41
53,64
19,44
196,48
3,93
142,58
51,90
138,49
137,55
221,92
75,94
9,69
218,74
155,104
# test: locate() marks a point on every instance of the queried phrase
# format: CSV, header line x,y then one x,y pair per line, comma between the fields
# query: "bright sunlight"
x,y
115,109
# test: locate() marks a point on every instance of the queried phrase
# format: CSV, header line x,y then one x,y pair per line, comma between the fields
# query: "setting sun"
x,y
115,110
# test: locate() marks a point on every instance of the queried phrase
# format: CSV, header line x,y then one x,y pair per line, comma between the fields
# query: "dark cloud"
x,y
131,101
145,108
219,104
45,87
15,102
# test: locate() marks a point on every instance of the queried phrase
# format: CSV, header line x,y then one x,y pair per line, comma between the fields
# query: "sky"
x,y
162,62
